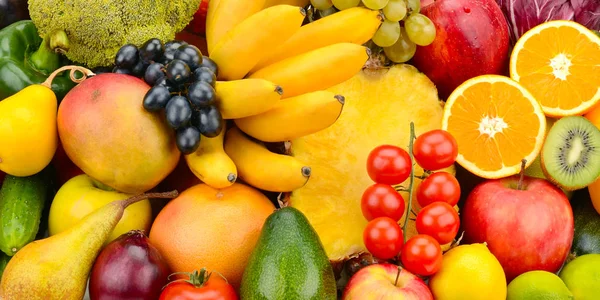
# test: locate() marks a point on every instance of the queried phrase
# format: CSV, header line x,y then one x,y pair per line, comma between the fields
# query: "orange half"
x,y
496,123
559,63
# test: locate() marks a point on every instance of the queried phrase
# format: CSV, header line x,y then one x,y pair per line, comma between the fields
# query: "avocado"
x,y
289,262
586,239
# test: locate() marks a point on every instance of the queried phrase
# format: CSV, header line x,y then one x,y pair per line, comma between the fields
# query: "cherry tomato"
x,y
383,238
422,255
200,285
438,187
435,150
388,164
382,200
438,220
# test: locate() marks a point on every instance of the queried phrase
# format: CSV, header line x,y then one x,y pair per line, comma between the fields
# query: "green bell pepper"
x,y
27,59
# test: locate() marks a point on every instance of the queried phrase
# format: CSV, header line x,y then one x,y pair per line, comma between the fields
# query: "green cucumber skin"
x,y
289,262
22,201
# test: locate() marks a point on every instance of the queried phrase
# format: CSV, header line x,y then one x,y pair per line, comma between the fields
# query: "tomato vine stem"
x,y
412,178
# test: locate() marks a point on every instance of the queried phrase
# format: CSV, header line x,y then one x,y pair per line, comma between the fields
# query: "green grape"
x,y
420,29
387,34
321,4
345,4
375,4
395,10
403,50
327,12
414,6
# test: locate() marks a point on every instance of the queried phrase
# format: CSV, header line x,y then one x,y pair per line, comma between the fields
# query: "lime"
x,y
469,272
582,276
538,285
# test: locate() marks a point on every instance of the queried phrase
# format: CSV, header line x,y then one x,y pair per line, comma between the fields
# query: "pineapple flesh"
x,y
380,104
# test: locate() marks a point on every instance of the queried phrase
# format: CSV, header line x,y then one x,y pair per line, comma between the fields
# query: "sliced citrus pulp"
x,y
559,63
496,123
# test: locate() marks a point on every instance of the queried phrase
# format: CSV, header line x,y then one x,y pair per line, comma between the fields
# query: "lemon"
x,y
538,285
469,272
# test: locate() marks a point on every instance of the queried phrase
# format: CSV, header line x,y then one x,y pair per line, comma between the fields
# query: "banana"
x,y
355,25
211,164
301,3
295,117
315,70
254,38
246,97
224,15
262,168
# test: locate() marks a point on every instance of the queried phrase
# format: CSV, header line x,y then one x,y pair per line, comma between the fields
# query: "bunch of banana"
x,y
273,75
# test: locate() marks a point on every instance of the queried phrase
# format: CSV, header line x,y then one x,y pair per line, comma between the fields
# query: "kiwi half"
x,y
571,153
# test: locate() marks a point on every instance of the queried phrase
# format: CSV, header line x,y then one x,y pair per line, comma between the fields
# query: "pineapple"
x,y
380,104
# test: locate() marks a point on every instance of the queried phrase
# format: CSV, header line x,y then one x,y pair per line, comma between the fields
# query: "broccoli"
x,y
98,28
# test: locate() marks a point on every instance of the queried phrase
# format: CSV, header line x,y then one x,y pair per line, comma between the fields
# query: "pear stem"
x,y
136,198
397,276
521,174
86,73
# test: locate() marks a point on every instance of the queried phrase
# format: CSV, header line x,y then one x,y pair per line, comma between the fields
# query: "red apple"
x,y
472,39
526,229
382,281
65,168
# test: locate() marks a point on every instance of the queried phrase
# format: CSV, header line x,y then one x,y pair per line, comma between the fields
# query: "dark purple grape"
x,y
209,121
206,75
139,69
170,48
157,98
201,94
154,72
178,72
121,71
188,139
209,63
152,50
189,54
127,56
101,70
178,112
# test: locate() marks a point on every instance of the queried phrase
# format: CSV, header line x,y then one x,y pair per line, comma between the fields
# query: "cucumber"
x,y
3,262
22,200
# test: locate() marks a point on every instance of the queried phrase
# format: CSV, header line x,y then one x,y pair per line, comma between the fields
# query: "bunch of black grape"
x,y
183,85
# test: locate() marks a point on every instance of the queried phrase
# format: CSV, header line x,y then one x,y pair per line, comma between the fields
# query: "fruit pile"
x,y
299,149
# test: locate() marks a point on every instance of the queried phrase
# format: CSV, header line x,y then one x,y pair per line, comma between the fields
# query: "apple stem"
x,y
522,174
412,178
397,276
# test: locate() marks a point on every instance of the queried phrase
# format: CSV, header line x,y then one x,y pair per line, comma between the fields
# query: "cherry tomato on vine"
x,y
382,200
383,238
388,164
422,255
200,285
438,220
435,150
438,187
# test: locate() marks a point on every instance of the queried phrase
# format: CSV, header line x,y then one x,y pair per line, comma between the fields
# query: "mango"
x,y
105,130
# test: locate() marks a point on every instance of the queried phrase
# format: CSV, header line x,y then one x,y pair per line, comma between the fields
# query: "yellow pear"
x,y
28,131
58,267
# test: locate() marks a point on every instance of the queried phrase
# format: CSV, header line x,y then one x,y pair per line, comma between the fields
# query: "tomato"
x,y
438,187
383,238
438,220
435,150
200,286
198,24
388,164
382,200
422,255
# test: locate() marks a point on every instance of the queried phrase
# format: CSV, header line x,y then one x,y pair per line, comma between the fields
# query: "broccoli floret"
x,y
98,28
